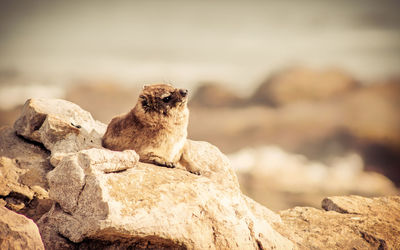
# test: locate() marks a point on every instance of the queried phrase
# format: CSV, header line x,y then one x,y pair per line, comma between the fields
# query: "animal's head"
x,y
163,99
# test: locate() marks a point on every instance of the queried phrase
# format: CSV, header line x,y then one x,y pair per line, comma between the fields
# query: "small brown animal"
x,y
156,128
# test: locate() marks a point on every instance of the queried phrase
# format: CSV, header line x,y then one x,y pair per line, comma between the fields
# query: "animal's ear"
x,y
144,102
145,86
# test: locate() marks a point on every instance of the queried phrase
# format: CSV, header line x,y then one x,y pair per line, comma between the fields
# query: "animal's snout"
x,y
183,92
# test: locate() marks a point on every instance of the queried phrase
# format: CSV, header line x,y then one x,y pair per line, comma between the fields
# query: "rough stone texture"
x,y
11,189
23,169
350,222
206,160
18,232
108,199
61,126
173,206
31,157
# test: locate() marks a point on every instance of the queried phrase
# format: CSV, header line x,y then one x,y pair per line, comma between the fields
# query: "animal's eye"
x,y
166,99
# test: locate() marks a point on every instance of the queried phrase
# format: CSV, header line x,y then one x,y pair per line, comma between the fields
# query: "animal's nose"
x,y
183,92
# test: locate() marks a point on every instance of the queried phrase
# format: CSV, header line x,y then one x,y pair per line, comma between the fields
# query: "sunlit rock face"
x,y
105,197
83,196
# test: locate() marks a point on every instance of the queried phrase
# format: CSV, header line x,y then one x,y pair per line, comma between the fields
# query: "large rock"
x,y
303,84
106,198
18,232
59,125
350,222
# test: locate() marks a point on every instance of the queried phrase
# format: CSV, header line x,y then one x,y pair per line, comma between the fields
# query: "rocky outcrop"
x,y
102,199
106,198
303,84
348,222
18,232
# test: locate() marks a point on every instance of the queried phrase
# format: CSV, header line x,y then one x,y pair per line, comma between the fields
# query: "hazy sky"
x,y
233,42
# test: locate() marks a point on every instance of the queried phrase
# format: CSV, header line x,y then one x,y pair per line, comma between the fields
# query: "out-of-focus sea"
x,y
186,42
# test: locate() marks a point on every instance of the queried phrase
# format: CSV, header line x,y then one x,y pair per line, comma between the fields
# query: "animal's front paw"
x,y
169,164
164,164
196,172
161,162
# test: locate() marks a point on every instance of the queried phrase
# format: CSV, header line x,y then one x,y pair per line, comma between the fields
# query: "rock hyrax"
x,y
156,128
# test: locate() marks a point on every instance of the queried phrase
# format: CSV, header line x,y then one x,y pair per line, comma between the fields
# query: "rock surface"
x,y
23,169
101,199
106,198
349,222
18,232
61,126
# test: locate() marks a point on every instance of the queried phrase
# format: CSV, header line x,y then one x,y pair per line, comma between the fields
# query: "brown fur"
x,y
156,128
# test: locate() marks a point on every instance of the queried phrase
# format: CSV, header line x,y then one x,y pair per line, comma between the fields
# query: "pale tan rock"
x,y
150,201
60,125
68,179
18,232
351,222
108,161
202,158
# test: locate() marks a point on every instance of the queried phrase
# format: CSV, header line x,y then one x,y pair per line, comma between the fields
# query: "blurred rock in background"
x,y
362,119
303,84
214,95
282,180
313,118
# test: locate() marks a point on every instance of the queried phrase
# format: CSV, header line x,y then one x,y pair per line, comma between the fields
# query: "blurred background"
x,y
303,97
